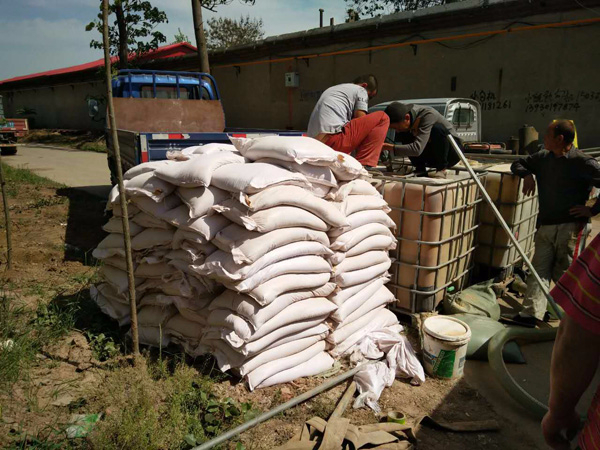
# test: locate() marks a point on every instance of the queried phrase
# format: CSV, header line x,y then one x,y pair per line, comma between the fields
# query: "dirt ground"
x,y
82,140
54,229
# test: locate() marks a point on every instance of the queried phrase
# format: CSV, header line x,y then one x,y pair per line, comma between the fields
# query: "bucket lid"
x,y
447,328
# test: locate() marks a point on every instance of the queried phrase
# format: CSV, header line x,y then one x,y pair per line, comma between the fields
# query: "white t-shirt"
x,y
336,107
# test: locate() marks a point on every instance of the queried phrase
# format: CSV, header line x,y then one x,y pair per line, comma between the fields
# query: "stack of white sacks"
x,y
361,261
254,253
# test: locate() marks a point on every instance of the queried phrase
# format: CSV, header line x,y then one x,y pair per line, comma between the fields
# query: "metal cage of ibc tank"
x,y
447,259
494,248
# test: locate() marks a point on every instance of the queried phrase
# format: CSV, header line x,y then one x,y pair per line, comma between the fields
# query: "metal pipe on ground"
x,y
505,227
279,409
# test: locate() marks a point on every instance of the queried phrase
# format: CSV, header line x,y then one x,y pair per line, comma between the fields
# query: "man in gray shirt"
x,y
340,120
422,135
565,177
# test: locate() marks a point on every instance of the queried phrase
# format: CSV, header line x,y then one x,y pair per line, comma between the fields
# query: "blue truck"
x,y
159,111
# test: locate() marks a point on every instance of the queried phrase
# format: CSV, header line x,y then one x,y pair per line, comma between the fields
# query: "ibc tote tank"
x,y
436,221
520,213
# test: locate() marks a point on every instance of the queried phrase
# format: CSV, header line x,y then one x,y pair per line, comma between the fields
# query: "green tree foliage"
x,y
180,37
133,29
372,8
222,32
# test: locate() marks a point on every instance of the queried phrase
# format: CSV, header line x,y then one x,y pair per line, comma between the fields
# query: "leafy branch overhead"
x,y
133,29
372,8
223,33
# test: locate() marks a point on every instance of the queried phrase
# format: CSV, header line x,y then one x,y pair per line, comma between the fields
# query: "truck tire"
x,y
112,166
10,150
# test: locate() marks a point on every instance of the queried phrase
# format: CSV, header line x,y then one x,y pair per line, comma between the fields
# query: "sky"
x,y
40,35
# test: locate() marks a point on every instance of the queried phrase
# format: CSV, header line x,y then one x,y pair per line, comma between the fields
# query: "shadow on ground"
x,y
86,216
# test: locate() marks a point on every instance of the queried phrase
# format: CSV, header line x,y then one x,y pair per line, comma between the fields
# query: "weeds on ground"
x,y
93,147
15,176
175,411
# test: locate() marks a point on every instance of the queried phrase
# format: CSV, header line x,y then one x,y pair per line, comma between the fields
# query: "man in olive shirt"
x,y
422,133
565,177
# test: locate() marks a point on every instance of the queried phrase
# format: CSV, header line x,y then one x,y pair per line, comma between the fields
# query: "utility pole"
x,y
200,38
122,198
6,219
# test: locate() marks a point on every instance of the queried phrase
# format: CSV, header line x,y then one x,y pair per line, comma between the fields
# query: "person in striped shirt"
x,y
576,354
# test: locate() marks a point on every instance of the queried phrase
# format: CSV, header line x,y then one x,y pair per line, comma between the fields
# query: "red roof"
x,y
168,51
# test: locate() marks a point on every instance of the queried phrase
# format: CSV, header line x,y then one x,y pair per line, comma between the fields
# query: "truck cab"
x,y
165,85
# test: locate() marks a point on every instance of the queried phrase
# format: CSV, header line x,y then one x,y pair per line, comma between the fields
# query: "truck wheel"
x,y
8,151
113,171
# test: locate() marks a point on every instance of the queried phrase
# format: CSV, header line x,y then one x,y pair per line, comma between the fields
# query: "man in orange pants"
x,y
340,120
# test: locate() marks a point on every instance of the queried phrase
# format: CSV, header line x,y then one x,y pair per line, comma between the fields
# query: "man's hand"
x,y
553,426
581,211
528,185
388,147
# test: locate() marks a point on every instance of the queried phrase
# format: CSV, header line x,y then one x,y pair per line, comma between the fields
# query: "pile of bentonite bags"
x,y
271,254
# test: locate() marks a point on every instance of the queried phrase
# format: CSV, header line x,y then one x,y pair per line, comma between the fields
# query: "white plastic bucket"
x,y
445,342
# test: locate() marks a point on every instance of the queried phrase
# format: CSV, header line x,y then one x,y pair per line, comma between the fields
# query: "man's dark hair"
x,y
370,81
566,129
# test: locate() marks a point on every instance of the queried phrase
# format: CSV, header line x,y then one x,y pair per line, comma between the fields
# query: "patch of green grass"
x,y
18,175
173,412
93,147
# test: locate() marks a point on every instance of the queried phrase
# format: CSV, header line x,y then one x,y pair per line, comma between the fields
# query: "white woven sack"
x,y
275,353
115,225
258,315
200,200
243,332
272,368
340,296
132,210
183,330
299,265
194,309
270,219
145,168
111,245
152,237
375,242
117,278
154,270
220,264
156,299
349,239
255,347
360,276
319,190
113,197
247,246
341,333
208,149
154,256
118,262
206,226
228,357
384,318
252,178
270,290
320,175
298,149
198,170
145,220
295,196
110,305
354,302
360,218
182,237
177,285
382,297
314,366
355,203
354,187
148,185
157,209
151,323
363,261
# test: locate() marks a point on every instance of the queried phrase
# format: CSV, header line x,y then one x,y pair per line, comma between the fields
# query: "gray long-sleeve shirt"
x,y
563,182
423,118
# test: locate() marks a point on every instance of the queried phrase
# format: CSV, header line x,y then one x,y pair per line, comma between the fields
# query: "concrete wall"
x,y
522,77
59,106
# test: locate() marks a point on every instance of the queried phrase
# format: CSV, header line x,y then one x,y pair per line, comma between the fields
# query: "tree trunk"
x,y
200,38
122,26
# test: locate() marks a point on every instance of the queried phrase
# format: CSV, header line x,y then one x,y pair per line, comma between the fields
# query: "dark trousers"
x,y
438,152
